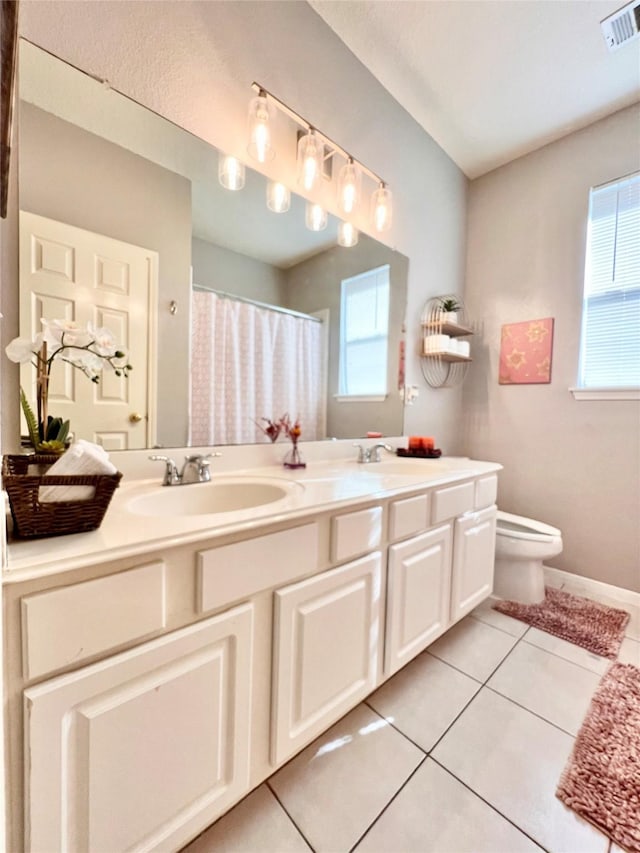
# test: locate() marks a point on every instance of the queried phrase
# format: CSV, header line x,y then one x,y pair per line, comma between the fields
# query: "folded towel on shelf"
x,y
81,458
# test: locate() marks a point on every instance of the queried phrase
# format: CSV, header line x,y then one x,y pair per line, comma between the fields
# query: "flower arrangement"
x,y
88,349
292,430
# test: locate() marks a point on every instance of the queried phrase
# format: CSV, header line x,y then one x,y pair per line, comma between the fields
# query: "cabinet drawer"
x,y
355,533
486,491
451,501
68,625
408,516
233,572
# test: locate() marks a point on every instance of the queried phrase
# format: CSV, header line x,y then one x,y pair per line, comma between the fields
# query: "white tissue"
x,y
82,457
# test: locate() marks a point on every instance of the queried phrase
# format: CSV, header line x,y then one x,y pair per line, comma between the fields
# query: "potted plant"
x,y
448,310
90,350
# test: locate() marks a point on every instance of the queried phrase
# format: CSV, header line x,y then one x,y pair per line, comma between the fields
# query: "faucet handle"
x,y
171,476
363,453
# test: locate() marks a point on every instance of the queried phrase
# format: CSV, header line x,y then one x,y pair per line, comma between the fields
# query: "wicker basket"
x,y
31,518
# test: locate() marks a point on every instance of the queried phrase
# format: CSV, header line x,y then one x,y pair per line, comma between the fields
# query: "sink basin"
x,y
409,467
222,494
418,467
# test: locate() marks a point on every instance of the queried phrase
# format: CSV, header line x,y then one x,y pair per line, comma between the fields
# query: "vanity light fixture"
x,y
315,217
381,208
310,159
231,172
278,197
315,154
260,112
348,187
347,235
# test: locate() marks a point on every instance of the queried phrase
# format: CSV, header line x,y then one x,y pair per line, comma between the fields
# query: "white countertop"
x,y
322,486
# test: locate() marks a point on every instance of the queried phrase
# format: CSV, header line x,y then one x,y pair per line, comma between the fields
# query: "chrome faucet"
x,y
372,454
194,470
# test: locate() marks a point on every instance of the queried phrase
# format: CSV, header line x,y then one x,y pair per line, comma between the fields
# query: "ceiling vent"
x,y
622,26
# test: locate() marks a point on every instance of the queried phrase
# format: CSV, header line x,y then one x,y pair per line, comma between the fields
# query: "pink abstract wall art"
x,y
525,352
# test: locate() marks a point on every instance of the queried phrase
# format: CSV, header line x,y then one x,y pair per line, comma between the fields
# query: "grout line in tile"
x,y
394,726
280,803
457,669
566,660
529,711
491,625
377,818
477,693
517,643
487,803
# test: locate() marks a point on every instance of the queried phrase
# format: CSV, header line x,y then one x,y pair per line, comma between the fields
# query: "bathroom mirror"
x,y
93,162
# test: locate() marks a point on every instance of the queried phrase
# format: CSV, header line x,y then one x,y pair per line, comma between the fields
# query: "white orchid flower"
x,y
74,335
103,340
89,362
22,350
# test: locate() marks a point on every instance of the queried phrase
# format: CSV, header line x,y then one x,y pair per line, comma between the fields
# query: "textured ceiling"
x,y
491,80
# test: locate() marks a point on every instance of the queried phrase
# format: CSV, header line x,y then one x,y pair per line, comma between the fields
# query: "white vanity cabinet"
x,y
473,560
327,644
144,749
249,645
418,595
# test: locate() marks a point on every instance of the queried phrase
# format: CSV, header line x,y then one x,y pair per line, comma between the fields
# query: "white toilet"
x,y
521,546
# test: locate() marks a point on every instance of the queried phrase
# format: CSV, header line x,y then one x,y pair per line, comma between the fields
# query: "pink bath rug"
x,y
601,781
596,627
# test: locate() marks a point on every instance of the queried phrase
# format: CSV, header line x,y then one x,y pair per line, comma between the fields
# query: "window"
x,y
364,334
610,339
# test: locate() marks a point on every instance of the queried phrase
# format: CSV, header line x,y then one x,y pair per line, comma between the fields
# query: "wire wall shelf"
x,y
444,357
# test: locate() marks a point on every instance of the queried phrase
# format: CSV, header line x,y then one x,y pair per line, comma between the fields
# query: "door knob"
x,y
135,417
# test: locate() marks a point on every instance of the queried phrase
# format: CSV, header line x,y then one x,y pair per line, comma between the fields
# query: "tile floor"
x,y
460,751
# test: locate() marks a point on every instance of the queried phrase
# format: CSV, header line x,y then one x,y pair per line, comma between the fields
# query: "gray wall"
x,y
78,178
221,269
574,464
315,284
195,64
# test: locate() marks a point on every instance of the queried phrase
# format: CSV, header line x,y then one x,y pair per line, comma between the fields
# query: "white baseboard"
x,y
596,588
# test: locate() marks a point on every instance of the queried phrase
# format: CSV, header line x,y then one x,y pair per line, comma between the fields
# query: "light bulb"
x,y
347,235
310,153
278,197
231,172
381,209
315,217
259,146
348,187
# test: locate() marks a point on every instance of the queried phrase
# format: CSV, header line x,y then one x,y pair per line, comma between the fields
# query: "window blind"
x,y
364,332
610,339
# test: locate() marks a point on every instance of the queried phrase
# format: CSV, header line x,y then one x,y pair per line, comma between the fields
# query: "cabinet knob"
x,y
135,417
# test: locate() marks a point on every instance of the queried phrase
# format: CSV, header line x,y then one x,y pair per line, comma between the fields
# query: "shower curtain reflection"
x,y
249,362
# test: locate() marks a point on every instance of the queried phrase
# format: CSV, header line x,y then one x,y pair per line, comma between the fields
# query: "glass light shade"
x,y
381,208
348,187
310,154
278,197
347,235
231,172
259,146
315,217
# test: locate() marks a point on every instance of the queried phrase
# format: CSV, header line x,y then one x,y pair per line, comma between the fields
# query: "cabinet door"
x,y
418,590
145,749
327,638
474,550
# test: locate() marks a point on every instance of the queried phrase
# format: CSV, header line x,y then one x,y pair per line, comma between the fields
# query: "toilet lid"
x,y
519,527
